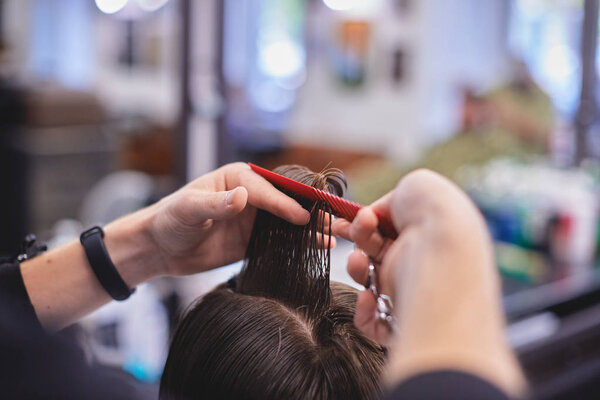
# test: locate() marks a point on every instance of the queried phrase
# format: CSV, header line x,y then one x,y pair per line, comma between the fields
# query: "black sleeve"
x,y
14,297
438,385
37,365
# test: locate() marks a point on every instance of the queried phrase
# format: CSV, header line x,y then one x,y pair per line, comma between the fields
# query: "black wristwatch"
x,y
103,267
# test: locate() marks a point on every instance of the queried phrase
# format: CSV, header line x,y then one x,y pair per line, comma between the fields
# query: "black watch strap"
x,y
104,269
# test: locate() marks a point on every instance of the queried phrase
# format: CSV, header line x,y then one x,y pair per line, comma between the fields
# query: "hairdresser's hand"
x,y
208,222
441,277
436,223
203,225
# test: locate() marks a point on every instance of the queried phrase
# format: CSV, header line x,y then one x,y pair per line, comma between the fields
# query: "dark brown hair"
x,y
280,330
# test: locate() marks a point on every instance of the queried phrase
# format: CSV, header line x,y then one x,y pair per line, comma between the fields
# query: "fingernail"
x,y
229,197
306,218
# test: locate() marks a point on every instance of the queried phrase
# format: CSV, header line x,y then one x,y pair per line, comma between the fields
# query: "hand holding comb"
x,y
340,207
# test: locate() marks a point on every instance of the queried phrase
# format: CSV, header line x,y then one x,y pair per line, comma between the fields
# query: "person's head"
x,y
279,330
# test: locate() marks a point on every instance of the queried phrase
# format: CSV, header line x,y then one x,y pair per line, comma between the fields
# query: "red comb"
x,y
340,207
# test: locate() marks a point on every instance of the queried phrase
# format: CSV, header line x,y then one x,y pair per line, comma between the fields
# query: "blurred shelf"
x,y
562,296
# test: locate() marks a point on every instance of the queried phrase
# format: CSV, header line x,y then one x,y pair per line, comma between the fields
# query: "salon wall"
x,y
71,43
149,88
447,45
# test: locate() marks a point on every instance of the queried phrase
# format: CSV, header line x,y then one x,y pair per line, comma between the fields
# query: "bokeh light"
x,y
110,6
281,59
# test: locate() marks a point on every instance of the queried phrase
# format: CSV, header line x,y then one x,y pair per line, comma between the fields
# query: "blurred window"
x,y
264,63
546,36
62,46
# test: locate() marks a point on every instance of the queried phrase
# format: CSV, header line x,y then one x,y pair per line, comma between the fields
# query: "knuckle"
x,y
204,203
186,205
232,167
238,165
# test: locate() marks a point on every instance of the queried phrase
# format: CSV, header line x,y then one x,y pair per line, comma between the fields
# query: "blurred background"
x,y
108,105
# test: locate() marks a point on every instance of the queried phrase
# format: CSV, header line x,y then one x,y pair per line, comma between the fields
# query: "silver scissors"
x,y
385,308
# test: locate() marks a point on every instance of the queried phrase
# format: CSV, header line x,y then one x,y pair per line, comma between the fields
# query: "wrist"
x,y
131,249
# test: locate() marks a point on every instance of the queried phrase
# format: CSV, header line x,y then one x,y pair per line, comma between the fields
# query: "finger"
x,y
341,227
366,321
382,205
332,242
196,207
365,234
326,219
358,266
364,317
424,193
264,195
325,240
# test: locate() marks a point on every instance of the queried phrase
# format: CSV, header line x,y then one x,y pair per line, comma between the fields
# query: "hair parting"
x,y
280,329
289,262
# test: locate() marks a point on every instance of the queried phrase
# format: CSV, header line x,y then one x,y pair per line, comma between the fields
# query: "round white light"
x,y
282,59
110,6
560,62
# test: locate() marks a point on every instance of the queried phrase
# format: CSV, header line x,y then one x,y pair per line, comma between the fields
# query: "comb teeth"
x,y
341,207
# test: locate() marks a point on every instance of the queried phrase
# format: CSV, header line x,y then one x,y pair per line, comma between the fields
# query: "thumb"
x,y
202,206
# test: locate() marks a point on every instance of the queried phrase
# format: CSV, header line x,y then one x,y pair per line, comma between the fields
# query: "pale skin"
x,y
442,279
439,271
204,225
